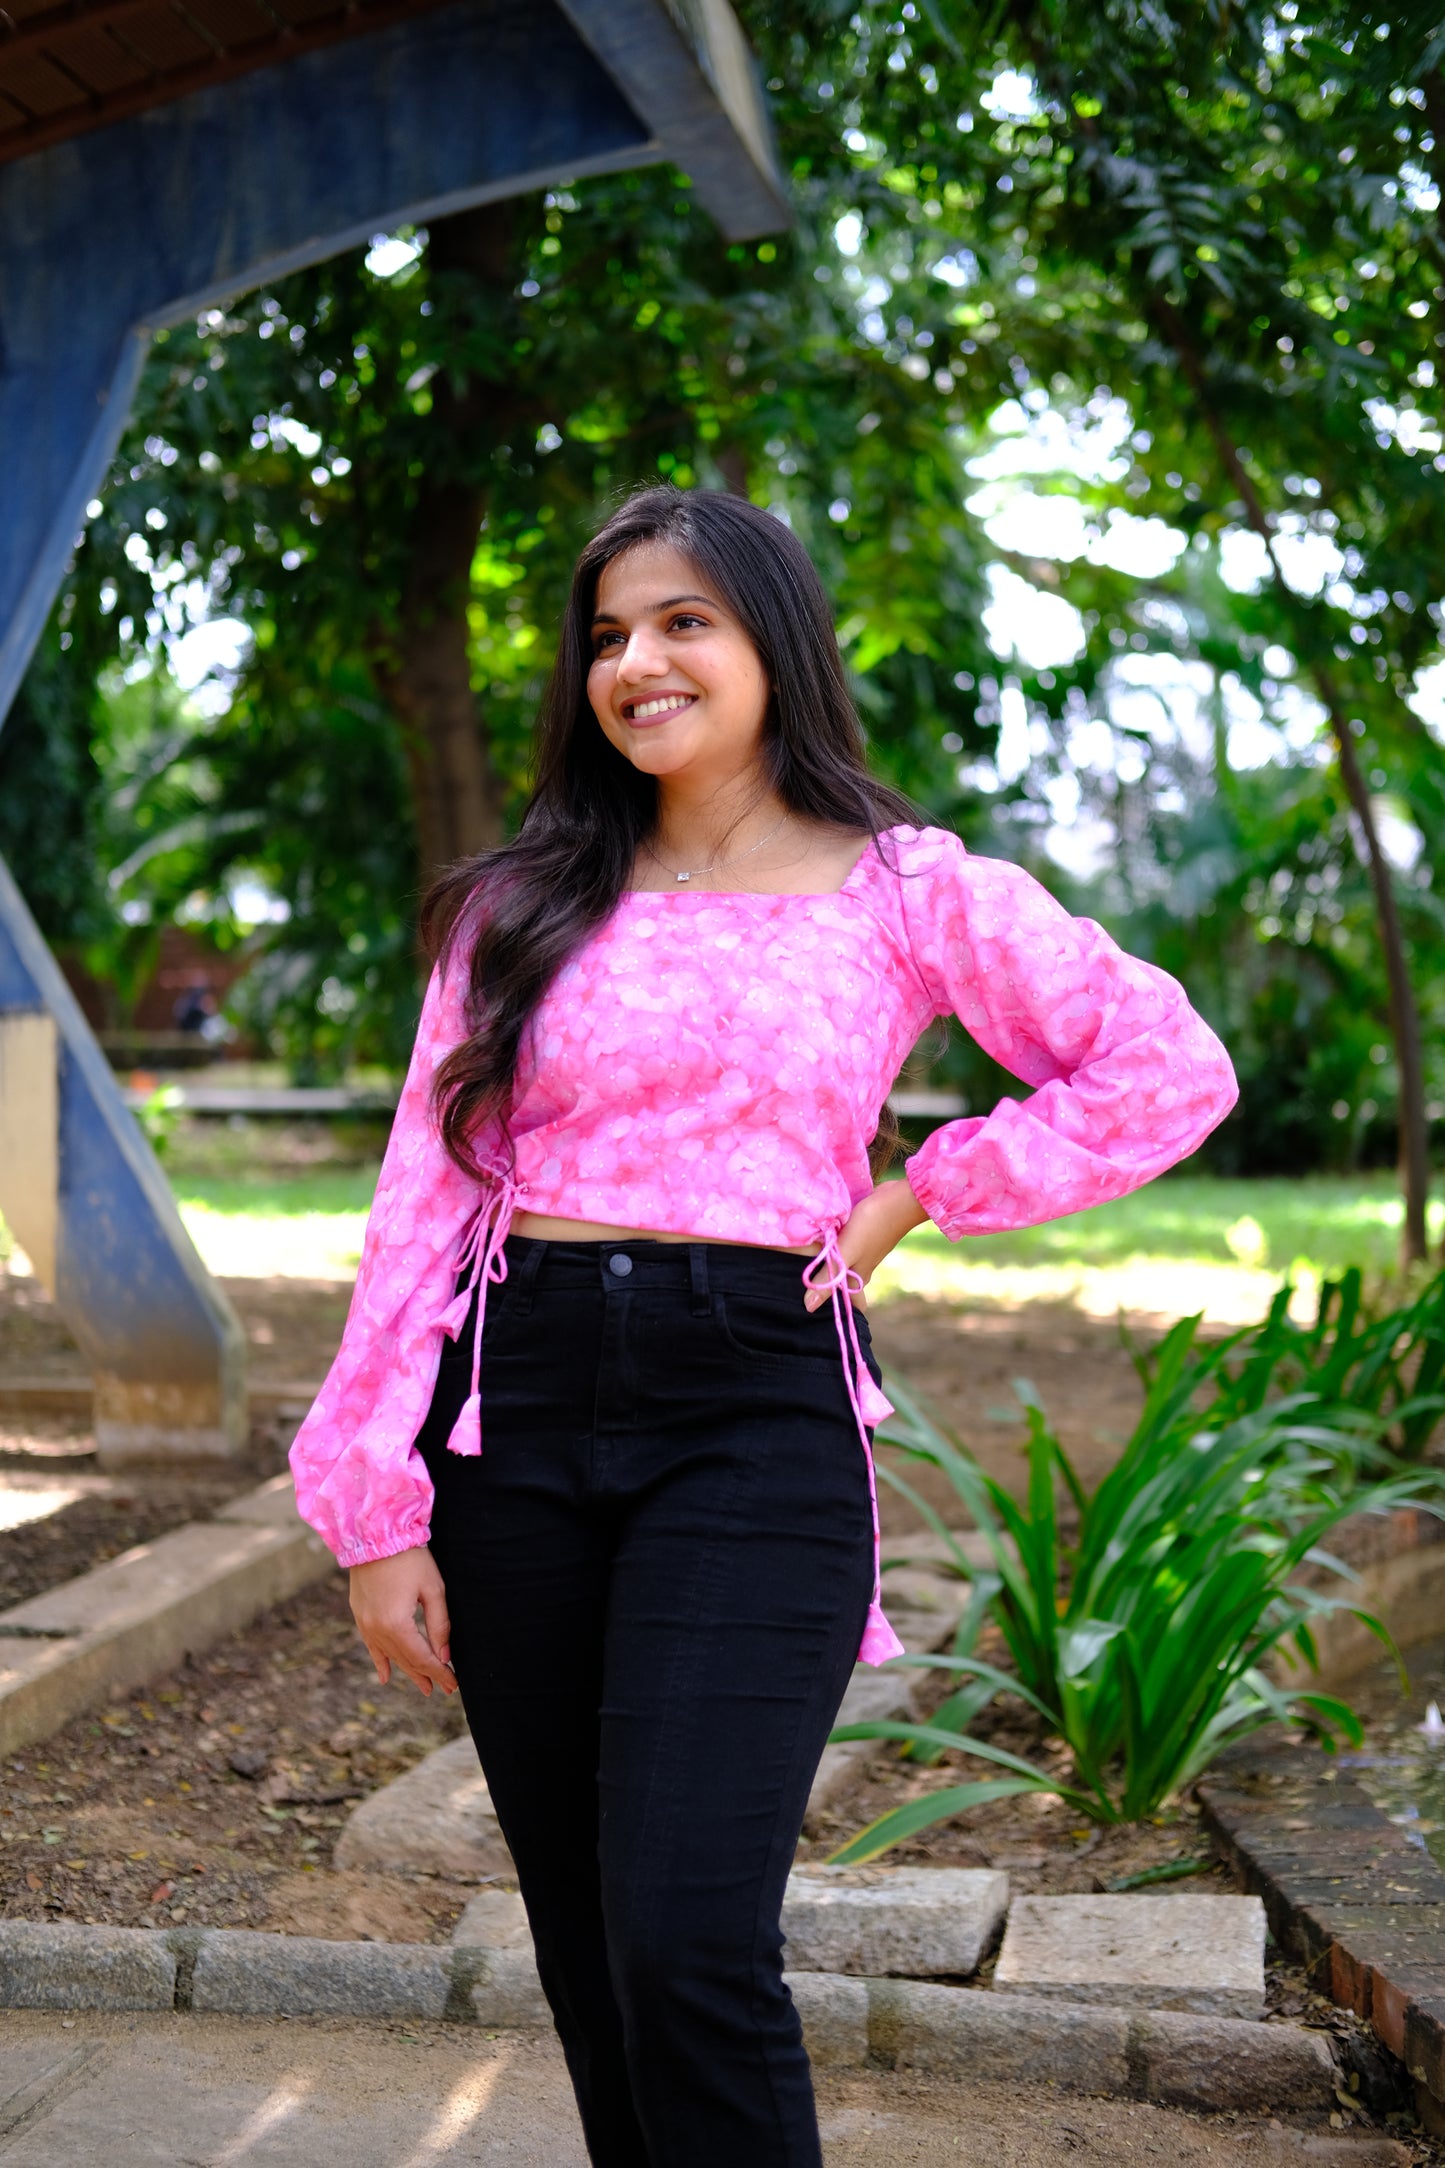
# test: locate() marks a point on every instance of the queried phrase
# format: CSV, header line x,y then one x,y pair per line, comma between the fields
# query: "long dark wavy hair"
x,y
527,906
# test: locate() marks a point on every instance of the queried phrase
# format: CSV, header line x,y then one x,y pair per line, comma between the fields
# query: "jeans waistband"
x,y
651,1264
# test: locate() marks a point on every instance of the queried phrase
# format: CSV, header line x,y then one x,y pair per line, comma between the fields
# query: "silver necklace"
x,y
695,872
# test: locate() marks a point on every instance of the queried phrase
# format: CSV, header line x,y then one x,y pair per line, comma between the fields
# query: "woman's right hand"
x,y
385,1597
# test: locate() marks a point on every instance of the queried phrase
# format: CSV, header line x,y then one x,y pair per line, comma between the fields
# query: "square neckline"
x,y
774,895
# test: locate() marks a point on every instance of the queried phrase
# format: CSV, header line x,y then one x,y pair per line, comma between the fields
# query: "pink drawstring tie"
x,y
870,1407
482,1250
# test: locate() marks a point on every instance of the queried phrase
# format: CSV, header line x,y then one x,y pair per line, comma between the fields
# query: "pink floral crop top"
x,y
714,1066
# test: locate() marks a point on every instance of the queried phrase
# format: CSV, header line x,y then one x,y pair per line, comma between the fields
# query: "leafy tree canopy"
x,y
1062,284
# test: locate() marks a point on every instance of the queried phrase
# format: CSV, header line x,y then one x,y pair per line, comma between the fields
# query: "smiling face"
x,y
675,682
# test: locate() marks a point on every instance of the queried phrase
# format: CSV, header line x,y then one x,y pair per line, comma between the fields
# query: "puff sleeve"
x,y
359,1482
1128,1079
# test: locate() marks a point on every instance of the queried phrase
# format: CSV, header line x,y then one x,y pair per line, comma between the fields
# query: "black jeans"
x,y
658,1572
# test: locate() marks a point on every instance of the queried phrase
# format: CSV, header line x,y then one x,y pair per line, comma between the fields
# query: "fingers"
x,y
385,1597
436,1623
815,1301
410,1652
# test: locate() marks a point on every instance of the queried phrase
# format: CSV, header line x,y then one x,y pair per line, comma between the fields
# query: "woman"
x,y
602,1410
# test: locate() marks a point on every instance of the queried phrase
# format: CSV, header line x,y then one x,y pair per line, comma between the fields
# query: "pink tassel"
x,y
454,1316
488,1262
466,1437
874,1406
879,1640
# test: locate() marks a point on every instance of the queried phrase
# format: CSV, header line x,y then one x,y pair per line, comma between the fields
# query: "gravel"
x,y
214,1797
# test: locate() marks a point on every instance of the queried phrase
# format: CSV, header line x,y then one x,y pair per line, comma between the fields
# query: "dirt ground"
x,y
213,1798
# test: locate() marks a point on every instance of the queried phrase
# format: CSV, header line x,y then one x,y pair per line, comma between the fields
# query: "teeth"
x,y
668,706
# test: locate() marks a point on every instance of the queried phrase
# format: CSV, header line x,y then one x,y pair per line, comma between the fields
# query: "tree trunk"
x,y
1433,86
426,681
1404,1015
423,665
1414,1161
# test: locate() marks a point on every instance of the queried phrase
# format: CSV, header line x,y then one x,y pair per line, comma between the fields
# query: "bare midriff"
x,y
543,1228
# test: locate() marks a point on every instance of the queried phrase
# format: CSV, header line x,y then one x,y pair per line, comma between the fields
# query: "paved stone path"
x,y
195,2092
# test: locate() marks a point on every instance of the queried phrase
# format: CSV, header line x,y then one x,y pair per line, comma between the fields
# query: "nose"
x,y
644,656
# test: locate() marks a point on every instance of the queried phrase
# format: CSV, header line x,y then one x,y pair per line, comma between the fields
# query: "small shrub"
x,y
1142,1638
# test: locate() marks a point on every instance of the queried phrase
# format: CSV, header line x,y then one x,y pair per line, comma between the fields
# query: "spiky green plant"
x,y
1389,1363
1142,1638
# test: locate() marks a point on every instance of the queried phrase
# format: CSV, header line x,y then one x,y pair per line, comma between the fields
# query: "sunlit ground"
x,y
246,1238
1188,1242
23,1499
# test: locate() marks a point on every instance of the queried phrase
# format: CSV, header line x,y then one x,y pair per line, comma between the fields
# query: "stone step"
x,y
1193,1952
140,1615
435,1818
871,1922
916,1923
1203,2063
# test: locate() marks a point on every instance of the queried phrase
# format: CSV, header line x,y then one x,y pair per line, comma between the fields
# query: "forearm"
x,y
895,1210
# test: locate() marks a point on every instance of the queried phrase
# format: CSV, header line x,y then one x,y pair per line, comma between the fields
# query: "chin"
x,y
658,759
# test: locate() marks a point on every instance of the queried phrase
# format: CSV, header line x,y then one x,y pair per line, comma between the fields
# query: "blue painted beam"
x,y
688,73
164,1347
140,223
113,234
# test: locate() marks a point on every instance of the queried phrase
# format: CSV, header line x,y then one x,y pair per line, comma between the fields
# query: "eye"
x,y
601,640
683,620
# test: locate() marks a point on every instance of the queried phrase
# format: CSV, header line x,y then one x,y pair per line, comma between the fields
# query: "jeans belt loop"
x,y
524,1274
697,1261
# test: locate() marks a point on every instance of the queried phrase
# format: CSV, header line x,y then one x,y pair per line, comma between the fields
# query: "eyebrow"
x,y
655,609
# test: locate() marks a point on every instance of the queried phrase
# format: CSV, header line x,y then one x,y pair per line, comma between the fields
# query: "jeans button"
x,y
620,1263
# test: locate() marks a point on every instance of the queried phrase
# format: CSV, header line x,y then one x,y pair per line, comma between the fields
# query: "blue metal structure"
x,y
132,208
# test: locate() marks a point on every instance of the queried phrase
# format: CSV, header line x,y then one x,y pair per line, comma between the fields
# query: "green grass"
x,y
1323,1221
307,1222
272,1195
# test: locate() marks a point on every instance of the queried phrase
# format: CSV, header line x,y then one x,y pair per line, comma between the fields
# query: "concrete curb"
x,y
137,1617
1347,1893
1166,2056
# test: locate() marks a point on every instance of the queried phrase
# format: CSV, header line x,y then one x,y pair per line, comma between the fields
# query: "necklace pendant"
x,y
683,877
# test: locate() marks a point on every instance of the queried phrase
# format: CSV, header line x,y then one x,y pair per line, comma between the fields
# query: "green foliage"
x,y
159,1115
1389,1367
1141,1634
48,795
1201,241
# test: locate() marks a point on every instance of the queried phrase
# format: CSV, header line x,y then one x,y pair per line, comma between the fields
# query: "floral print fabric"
x,y
714,1066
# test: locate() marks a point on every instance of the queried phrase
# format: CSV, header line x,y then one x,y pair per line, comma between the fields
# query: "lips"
x,y
658,707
